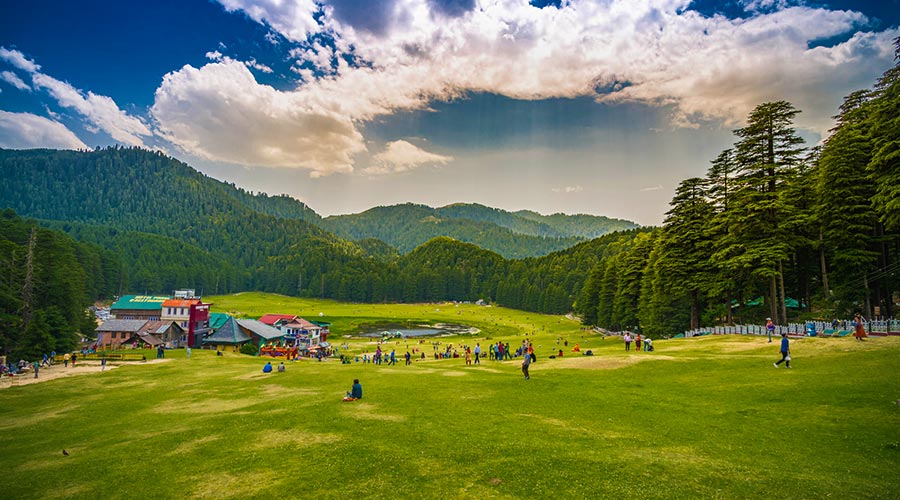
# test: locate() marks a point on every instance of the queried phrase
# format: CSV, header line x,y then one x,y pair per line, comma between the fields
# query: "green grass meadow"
x,y
697,418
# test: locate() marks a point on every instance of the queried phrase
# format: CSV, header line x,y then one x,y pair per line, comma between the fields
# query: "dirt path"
x,y
60,371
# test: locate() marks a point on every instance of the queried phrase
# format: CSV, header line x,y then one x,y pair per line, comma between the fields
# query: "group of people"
x,y
639,342
9,368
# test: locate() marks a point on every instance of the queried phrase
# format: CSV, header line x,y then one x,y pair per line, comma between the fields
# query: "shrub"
x,y
249,349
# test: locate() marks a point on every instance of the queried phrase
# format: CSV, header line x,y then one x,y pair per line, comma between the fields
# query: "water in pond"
x,y
418,331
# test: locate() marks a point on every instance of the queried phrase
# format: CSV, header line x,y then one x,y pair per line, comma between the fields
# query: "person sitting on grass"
x,y
281,367
268,367
355,391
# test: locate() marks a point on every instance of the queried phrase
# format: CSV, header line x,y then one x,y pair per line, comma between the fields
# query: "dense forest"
x,y
813,227
407,226
47,281
170,226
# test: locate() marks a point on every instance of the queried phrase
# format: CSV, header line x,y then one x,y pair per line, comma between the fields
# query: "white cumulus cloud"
x,y
402,156
292,18
655,52
100,112
14,80
25,130
219,112
18,60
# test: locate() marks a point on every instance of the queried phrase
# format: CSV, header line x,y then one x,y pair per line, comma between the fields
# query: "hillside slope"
x,y
409,225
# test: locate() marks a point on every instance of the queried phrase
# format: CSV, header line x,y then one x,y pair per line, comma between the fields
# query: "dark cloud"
x,y
366,15
451,8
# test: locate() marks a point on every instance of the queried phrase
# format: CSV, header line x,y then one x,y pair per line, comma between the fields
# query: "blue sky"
x,y
577,106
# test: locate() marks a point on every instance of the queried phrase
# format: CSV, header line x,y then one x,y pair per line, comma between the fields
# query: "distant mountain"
x,y
502,218
227,232
153,224
582,225
281,206
408,226
509,234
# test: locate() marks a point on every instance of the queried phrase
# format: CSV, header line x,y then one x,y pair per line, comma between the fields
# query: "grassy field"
x,y
697,418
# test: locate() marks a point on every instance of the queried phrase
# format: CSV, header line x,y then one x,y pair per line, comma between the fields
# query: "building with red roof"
x,y
277,319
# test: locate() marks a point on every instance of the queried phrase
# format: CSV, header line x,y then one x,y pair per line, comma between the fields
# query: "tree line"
x,y
816,226
47,281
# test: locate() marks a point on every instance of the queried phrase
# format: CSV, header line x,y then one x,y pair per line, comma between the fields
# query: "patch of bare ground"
x,y
59,371
293,438
275,391
367,411
38,417
72,490
674,455
191,445
602,362
233,485
56,458
208,406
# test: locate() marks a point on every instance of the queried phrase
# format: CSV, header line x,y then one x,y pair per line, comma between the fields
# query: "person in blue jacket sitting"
x,y
355,391
268,367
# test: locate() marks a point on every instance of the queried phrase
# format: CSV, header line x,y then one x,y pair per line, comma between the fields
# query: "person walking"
x,y
785,352
66,359
103,362
468,356
187,352
770,328
37,366
526,362
627,342
477,353
859,331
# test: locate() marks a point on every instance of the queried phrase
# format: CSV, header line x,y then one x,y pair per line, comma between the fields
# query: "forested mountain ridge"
x,y
130,189
502,218
168,226
407,226
580,225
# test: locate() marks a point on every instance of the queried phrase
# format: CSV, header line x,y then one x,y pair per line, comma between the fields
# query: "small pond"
x,y
417,331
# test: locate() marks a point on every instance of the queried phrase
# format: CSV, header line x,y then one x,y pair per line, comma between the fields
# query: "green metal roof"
x,y
216,320
229,333
145,302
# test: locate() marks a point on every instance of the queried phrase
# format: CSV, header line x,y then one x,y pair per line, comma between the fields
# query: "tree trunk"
x,y
729,314
29,281
695,311
868,305
824,268
783,302
773,300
